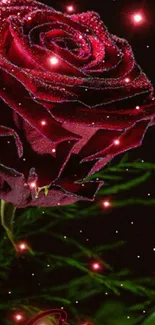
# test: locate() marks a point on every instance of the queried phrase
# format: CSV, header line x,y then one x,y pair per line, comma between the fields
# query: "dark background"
x,y
134,224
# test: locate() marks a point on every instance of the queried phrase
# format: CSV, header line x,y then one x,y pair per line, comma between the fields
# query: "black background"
x,y
140,235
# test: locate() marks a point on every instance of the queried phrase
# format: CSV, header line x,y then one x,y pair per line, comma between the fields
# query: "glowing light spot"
x,y
22,247
32,185
54,60
70,8
43,122
137,18
53,150
80,37
116,142
137,107
127,80
29,18
18,317
96,266
106,204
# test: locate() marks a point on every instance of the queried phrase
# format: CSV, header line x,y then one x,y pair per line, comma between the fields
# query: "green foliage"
x,y
7,214
83,284
150,320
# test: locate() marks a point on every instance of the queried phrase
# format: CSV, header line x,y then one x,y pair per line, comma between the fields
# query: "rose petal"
x,y
101,117
83,191
130,139
12,188
4,131
7,4
30,110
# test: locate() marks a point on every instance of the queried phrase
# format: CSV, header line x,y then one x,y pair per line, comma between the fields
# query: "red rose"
x,y
73,97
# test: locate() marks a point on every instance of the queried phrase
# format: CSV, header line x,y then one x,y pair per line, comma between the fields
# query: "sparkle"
x,y
116,142
70,8
32,185
96,266
127,80
18,317
54,60
106,204
43,122
29,18
137,107
22,246
53,150
138,18
80,36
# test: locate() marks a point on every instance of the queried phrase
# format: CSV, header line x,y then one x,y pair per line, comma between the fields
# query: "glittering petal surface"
x,y
72,97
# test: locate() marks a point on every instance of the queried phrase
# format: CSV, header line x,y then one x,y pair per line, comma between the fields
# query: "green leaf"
x,y
150,320
125,186
7,213
124,159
